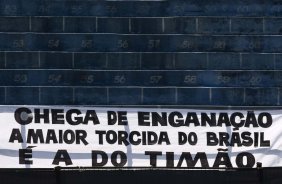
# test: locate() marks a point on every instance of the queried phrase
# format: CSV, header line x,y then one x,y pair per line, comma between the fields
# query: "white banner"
x,y
50,136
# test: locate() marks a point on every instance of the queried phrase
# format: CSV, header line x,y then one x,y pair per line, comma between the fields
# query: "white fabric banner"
x,y
50,136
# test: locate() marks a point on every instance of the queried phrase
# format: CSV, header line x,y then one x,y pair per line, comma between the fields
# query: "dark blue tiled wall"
x,y
210,53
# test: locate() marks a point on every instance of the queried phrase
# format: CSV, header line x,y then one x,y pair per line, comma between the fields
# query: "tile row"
x,y
140,78
140,61
138,43
140,96
175,25
141,8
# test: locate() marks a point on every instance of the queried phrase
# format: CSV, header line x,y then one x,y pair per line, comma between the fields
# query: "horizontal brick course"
x,y
140,8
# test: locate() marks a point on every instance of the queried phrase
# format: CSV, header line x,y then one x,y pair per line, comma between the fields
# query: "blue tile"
x,y
247,25
54,78
113,25
215,43
66,78
47,24
11,42
75,8
148,43
278,61
14,24
273,8
2,96
214,25
119,78
124,96
51,78
2,60
257,79
55,60
224,61
159,78
123,61
181,8
183,43
273,25
144,8
90,96
157,61
249,8
113,43
18,60
80,24
280,94
22,96
43,8
261,96
83,43
272,44
86,78
180,25
159,96
115,9
56,96
37,77
257,61
10,8
90,60
190,78
47,42
193,96
191,61
146,25
219,78
250,44
277,78
227,96
15,78
133,8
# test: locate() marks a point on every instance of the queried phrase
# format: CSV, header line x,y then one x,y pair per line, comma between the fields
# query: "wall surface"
x,y
195,53
82,52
